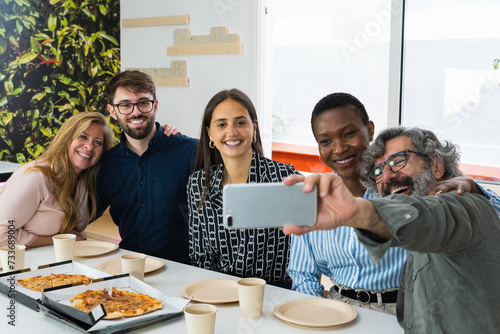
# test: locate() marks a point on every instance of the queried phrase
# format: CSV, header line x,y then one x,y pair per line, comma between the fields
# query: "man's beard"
x,y
420,185
137,133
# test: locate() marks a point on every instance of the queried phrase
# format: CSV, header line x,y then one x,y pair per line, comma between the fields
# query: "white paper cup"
x,y
200,318
12,257
251,296
64,246
134,264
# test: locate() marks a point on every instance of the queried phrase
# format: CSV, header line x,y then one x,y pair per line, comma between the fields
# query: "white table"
x,y
170,280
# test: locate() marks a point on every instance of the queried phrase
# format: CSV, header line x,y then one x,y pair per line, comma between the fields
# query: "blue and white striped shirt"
x,y
339,255
492,197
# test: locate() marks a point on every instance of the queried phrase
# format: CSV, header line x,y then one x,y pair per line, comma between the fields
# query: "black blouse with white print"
x,y
259,252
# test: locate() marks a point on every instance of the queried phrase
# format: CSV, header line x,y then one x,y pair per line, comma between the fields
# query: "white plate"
x,y
88,248
114,266
316,312
215,291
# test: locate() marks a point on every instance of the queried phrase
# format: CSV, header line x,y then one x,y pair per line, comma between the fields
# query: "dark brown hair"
x,y
135,81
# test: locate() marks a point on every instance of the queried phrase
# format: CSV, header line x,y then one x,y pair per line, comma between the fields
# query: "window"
x,y
450,86
321,47
446,83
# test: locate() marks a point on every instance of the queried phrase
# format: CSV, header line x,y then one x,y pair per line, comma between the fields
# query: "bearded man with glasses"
x,y
143,178
450,279
418,187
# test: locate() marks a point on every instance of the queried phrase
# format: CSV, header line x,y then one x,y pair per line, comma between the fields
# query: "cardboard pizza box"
x,y
27,297
55,303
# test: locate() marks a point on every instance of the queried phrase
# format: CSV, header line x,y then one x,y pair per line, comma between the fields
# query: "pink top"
x,y
29,208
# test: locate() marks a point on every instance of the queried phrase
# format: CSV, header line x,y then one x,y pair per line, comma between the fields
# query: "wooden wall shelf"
x,y
175,75
155,21
218,42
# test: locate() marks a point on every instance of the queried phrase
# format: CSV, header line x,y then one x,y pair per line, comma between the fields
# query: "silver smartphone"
x,y
253,205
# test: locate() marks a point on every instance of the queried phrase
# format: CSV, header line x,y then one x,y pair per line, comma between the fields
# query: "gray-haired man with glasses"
x,y
396,162
450,279
143,178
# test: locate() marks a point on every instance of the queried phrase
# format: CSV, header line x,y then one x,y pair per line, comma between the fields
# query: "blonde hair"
x,y
55,164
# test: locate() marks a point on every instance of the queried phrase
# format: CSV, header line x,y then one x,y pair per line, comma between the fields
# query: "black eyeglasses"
x,y
144,106
395,163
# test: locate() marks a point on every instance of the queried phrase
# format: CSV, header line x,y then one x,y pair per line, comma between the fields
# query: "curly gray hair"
x,y
424,141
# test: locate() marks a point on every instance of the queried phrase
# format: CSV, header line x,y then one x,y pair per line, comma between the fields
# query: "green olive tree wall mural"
x,y
55,59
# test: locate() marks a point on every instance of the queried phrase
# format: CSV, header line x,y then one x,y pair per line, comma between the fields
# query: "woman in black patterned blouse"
x,y
230,151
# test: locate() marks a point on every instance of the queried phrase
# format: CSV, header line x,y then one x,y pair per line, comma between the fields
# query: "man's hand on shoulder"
x,y
461,184
170,130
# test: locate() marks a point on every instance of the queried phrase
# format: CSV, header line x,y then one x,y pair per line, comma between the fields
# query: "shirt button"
x,y
410,289
407,216
142,204
141,182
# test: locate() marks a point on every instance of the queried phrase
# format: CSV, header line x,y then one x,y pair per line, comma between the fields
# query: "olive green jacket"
x,y
451,279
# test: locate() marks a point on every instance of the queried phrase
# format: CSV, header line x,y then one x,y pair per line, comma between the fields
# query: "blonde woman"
x,y
56,192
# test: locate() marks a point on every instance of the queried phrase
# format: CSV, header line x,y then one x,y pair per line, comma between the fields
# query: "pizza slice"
x,y
133,304
88,300
121,303
40,283
37,283
64,279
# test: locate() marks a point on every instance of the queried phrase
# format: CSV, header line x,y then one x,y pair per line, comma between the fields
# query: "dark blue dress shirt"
x,y
146,194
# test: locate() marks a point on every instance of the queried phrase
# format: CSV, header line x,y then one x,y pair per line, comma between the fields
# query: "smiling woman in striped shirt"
x,y
343,132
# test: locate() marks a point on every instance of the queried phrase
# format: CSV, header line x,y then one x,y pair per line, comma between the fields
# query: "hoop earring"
x,y
254,139
211,144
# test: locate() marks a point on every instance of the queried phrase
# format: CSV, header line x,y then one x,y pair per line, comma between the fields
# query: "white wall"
x,y
208,74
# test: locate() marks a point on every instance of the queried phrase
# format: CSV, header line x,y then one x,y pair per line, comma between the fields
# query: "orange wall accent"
x,y
303,158
306,159
481,173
